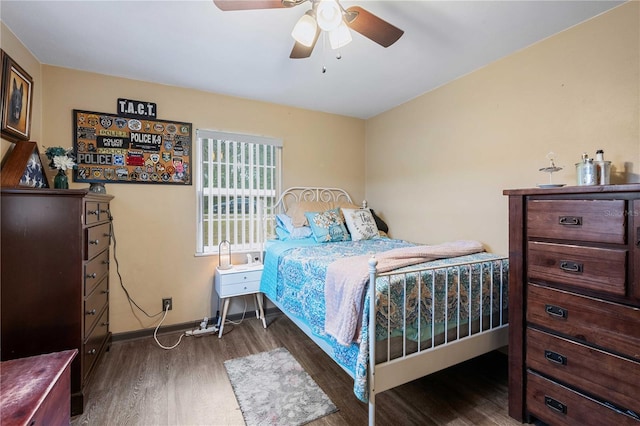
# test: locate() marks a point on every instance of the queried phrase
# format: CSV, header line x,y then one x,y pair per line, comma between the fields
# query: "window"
x,y
237,184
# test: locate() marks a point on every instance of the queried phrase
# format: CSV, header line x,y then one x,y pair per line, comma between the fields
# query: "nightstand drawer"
x,y
240,277
580,220
558,405
597,322
591,268
603,374
237,289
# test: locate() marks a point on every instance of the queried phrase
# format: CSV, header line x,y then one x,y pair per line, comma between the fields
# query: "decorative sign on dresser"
x,y
55,278
574,305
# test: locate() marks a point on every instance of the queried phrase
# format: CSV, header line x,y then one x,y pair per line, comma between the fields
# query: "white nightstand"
x,y
238,281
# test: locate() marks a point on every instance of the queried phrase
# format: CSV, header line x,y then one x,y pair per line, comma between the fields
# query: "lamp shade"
x,y
305,29
340,37
224,255
328,14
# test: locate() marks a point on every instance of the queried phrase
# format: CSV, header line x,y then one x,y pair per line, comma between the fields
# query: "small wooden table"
x,y
36,390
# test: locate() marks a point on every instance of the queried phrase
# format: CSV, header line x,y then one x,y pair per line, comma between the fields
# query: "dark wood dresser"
x,y
55,278
574,305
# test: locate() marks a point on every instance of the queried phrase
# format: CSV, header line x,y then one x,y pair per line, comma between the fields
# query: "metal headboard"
x,y
309,193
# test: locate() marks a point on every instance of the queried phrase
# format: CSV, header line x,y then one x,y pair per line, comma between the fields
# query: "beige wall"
x,y
12,46
437,166
155,224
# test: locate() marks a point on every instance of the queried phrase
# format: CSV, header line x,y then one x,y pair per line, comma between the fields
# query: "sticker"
x,y
134,176
110,174
184,129
82,146
171,128
121,123
166,156
144,176
171,170
92,158
112,142
92,120
96,172
105,121
122,173
118,160
135,125
159,168
165,177
158,127
83,172
154,157
168,144
86,133
114,133
155,177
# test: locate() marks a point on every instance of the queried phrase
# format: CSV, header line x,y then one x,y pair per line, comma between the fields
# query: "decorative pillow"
x,y
298,233
327,226
361,224
297,210
382,226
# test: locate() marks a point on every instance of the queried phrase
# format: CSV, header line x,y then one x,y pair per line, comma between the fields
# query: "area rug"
x,y
272,388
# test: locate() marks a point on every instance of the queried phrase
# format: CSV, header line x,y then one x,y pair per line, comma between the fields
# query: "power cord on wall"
x,y
132,303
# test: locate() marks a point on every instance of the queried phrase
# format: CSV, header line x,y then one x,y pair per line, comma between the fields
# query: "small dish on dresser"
x,y
550,185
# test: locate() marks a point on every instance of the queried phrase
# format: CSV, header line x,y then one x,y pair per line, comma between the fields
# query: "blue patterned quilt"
x,y
294,278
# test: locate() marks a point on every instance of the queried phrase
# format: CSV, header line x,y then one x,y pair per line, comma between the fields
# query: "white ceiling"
x,y
195,45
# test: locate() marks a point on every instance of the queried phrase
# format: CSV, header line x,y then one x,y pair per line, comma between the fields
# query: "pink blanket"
x,y
347,278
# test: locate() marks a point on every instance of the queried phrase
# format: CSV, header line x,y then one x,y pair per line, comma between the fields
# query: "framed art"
x,y
22,167
17,96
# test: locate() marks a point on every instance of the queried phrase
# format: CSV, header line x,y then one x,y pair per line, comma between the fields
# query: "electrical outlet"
x,y
167,301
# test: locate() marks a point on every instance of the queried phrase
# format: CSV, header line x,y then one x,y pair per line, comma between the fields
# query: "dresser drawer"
x,y
605,375
94,304
94,343
556,404
581,220
97,239
591,268
95,270
597,322
91,212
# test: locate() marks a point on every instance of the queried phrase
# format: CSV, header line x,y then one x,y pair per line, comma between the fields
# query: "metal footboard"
x,y
471,321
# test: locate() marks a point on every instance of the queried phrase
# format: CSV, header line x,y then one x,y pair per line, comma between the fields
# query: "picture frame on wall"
x,y
22,167
17,97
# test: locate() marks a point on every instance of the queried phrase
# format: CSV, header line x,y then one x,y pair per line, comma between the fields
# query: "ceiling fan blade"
x,y
227,5
372,27
300,51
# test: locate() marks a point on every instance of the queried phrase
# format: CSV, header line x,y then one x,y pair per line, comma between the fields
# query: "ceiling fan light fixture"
x,y
340,37
304,32
328,14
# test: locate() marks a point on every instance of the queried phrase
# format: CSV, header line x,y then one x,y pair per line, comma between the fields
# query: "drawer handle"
x,y
106,262
555,357
94,242
91,312
556,311
92,275
570,266
555,405
105,324
105,291
570,220
93,212
104,211
91,352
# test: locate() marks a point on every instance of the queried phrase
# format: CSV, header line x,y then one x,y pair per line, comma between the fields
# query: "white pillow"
x,y
360,224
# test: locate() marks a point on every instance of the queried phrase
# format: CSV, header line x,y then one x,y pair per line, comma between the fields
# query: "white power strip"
x,y
199,332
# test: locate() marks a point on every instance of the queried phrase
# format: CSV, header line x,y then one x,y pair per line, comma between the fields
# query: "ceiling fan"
x,y
324,15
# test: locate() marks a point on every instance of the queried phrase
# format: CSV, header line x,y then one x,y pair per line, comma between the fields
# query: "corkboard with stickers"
x,y
114,149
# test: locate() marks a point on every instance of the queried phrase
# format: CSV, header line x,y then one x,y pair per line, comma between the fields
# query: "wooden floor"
x,y
138,383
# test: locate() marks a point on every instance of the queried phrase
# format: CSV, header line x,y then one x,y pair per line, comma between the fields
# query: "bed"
x,y
426,315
